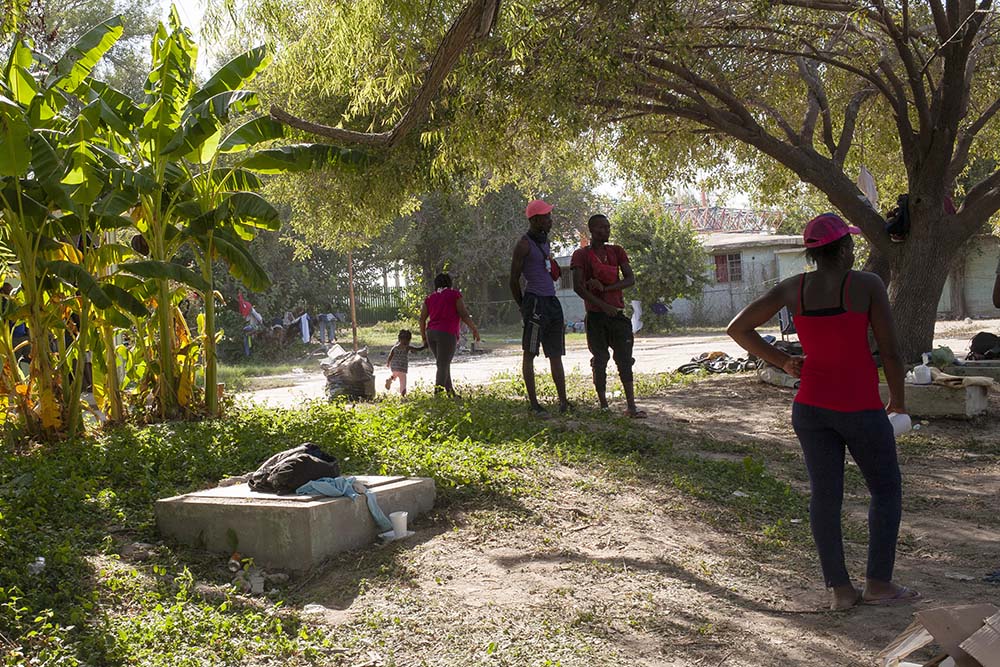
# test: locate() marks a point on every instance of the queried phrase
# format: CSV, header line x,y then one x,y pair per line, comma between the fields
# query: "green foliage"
x,y
53,25
81,160
85,606
666,255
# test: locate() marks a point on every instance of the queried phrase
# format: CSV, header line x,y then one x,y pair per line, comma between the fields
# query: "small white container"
x,y
901,423
922,373
398,520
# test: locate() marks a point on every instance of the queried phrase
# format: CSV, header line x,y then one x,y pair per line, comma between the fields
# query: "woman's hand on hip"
x,y
793,365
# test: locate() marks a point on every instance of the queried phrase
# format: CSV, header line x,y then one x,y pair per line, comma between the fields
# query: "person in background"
x,y
439,320
600,272
18,330
399,360
838,406
540,308
326,327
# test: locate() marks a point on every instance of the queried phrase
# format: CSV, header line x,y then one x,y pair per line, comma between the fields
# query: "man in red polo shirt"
x,y
600,272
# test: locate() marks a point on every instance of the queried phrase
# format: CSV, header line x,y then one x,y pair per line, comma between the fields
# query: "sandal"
x,y
637,414
902,596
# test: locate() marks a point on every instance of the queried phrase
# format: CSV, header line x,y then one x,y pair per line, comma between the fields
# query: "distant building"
x,y
741,267
968,292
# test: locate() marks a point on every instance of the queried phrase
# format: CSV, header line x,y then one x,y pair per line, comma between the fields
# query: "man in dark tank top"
x,y
543,317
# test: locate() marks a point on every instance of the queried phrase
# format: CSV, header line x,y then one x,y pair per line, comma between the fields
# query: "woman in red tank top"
x,y
838,406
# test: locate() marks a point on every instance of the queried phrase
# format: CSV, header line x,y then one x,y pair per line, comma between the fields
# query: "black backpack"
x,y
897,223
288,470
985,345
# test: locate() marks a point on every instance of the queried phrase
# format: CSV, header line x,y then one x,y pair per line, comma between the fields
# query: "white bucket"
x,y
398,520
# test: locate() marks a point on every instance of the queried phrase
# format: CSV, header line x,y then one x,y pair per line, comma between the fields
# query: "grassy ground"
x,y
586,539
80,503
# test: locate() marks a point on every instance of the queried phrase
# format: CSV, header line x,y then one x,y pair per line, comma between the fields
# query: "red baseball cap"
x,y
826,228
537,207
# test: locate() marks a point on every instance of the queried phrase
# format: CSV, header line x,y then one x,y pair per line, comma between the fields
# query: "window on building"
x,y
566,280
728,268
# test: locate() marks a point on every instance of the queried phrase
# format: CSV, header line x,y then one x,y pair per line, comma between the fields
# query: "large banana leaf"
x,y
220,179
22,84
25,207
77,277
168,85
245,208
117,109
49,172
251,133
234,74
125,300
165,271
242,264
79,60
15,153
46,106
304,157
206,121
125,186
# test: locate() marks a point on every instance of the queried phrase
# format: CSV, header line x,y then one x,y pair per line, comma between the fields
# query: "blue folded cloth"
x,y
335,487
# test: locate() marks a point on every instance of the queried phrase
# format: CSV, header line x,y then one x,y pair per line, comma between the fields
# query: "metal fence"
x,y
721,219
378,304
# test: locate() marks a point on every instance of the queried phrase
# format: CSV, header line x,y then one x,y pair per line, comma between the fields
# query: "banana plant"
x,y
197,185
53,170
82,164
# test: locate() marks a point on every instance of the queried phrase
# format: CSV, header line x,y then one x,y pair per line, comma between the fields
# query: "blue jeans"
x,y
867,434
326,330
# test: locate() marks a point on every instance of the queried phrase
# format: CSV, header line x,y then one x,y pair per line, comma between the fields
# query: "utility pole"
x,y
354,312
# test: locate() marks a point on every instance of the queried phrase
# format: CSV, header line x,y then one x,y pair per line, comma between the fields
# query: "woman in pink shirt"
x,y
439,321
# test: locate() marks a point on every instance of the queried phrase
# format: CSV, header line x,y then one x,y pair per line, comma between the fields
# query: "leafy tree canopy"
x,y
666,255
768,94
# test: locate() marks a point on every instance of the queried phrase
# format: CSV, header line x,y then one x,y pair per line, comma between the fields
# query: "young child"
x,y
399,360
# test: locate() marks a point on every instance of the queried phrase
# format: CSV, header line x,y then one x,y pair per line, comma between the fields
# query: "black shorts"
x,y
615,332
543,325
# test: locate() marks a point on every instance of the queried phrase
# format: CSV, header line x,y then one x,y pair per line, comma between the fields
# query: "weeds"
x,y
75,502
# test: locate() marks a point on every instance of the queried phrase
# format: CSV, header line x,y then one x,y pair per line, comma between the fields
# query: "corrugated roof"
x,y
731,240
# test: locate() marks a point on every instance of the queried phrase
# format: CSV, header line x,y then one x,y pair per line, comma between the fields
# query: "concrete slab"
x,y
286,532
990,369
932,400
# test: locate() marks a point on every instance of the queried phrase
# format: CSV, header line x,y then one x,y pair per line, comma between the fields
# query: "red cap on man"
x,y
537,207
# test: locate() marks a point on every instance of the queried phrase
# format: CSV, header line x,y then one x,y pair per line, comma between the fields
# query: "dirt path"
x,y
595,570
652,355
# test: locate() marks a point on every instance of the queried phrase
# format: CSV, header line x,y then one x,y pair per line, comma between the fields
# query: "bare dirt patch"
x,y
597,567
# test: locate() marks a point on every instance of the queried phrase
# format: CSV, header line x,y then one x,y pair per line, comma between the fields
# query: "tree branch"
x,y
817,101
825,5
913,74
850,120
982,201
940,20
964,143
472,25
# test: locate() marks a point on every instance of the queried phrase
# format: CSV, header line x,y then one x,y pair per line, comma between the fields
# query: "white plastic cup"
x,y
901,423
398,520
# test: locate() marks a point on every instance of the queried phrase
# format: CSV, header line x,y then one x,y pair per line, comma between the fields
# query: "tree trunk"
x,y
920,267
959,304
350,286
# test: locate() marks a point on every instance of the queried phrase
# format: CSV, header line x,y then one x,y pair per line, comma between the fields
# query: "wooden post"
x,y
350,286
